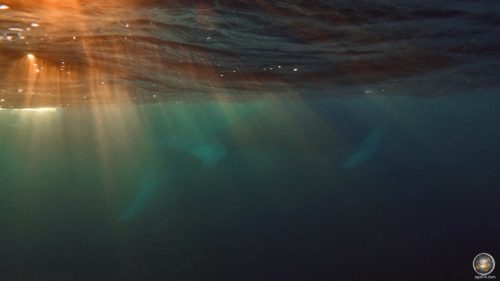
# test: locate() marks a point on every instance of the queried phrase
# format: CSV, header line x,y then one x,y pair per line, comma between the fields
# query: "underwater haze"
x,y
248,140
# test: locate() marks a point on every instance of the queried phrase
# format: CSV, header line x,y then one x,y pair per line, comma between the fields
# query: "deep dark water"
x,y
367,188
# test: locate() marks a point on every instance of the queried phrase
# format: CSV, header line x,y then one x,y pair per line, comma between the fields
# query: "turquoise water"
x,y
271,189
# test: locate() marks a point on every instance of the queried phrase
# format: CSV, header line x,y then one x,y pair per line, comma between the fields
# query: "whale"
x,y
178,151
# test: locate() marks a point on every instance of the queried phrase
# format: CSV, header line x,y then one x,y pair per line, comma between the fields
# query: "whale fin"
x,y
368,147
144,194
209,154
208,150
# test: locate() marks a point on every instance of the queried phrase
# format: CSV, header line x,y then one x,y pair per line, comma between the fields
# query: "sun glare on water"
x,y
33,109
37,69
40,109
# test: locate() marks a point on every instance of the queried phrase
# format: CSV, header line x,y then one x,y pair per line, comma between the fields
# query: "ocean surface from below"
x,y
62,54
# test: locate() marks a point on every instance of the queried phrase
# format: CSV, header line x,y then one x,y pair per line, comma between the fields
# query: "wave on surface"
x,y
81,51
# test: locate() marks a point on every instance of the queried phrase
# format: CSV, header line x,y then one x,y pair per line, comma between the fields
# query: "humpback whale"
x,y
208,152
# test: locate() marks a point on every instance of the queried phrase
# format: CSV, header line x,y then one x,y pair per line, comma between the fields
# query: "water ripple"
x,y
204,48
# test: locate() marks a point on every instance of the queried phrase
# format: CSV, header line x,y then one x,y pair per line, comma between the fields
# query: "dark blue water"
x,y
248,140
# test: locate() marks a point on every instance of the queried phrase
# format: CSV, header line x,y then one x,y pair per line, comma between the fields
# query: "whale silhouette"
x,y
207,152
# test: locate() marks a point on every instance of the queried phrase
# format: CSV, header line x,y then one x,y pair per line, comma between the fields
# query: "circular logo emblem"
x,y
483,264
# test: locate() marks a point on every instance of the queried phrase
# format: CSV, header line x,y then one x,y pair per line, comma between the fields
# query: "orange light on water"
x,y
40,109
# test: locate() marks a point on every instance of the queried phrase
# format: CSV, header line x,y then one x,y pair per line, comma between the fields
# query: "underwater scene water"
x,y
248,140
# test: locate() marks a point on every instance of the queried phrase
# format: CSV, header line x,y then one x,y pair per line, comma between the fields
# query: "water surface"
x,y
248,140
